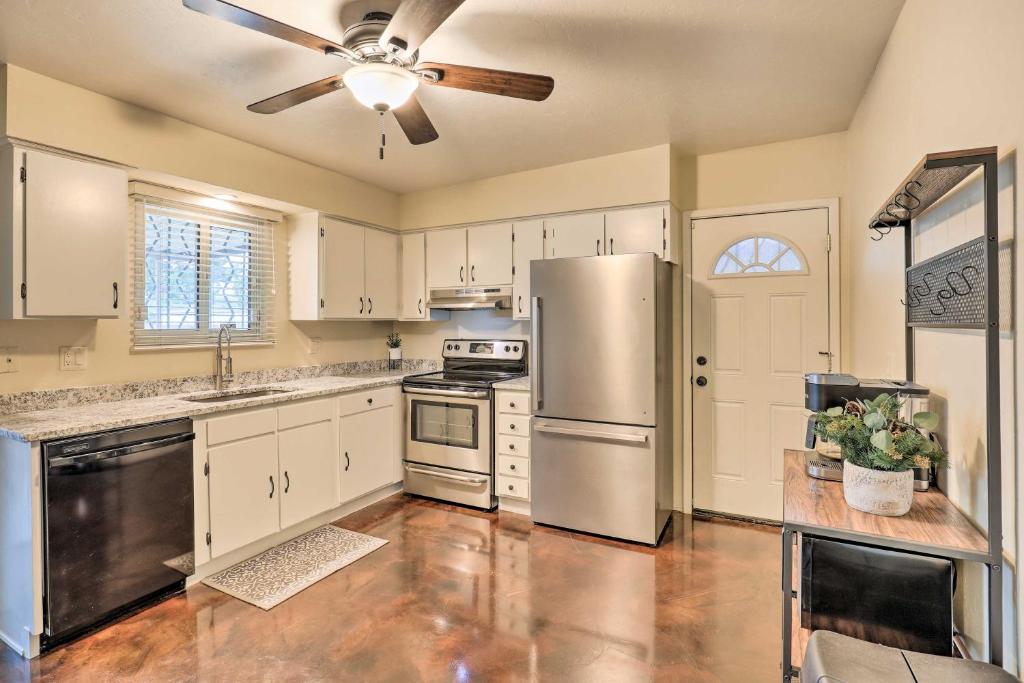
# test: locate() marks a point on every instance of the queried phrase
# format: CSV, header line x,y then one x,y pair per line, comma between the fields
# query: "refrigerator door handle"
x,y
536,381
591,434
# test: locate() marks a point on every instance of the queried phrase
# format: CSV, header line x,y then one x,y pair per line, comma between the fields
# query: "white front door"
x,y
760,322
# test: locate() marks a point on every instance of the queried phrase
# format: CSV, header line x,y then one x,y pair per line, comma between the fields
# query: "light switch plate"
x,y
74,358
9,359
314,346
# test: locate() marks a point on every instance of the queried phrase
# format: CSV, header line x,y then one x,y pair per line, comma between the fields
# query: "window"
x,y
759,255
197,269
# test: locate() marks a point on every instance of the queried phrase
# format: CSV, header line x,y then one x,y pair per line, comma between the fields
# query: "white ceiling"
x,y
705,75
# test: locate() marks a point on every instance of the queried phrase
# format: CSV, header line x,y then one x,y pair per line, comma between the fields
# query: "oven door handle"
x,y
446,392
442,475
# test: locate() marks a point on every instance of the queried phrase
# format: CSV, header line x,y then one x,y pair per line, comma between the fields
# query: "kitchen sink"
x,y
237,396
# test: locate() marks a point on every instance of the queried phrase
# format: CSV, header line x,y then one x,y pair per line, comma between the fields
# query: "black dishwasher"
x,y
118,520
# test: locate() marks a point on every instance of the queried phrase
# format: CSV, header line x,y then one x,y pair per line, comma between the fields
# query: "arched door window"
x,y
759,255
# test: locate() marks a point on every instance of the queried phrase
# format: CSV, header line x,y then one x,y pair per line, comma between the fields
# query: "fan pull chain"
x,y
383,141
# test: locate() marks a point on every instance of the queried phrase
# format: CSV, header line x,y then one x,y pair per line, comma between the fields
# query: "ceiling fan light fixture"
x,y
380,86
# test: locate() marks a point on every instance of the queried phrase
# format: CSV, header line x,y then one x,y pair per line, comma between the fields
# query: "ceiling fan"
x,y
383,51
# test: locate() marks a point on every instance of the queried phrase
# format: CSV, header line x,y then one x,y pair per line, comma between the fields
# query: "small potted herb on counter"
x,y
394,342
880,451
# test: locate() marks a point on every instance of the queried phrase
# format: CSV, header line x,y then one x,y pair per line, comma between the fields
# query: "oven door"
x,y
449,428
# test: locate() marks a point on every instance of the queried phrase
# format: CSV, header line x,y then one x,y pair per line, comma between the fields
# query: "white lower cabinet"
x,y
308,462
269,469
512,426
369,436
243,492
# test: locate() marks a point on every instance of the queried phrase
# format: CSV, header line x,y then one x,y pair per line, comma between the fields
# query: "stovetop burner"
x,y
476,363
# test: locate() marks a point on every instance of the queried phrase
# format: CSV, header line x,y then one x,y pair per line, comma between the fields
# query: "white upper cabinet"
x,y
342,275
339,270
527,245
577,235
414,277
381,261
636,231
65,224
489,249
446,258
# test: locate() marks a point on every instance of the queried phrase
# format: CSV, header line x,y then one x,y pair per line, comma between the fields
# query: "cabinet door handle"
x,y
462,270
520,303
287,481
369,311
611,246
419,305
511,404
512,426
598,247
370,401
512,467
511,446
472,273
271,486
116,296
347,461
360,305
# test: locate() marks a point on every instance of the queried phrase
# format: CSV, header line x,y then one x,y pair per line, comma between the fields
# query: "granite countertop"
x,y
517,384
56,423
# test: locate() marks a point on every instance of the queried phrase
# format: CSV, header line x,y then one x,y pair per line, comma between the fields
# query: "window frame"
x,y
804,269
260,303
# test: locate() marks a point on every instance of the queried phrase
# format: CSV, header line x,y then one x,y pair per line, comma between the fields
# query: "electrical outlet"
x,y
314,346
74,358
9,359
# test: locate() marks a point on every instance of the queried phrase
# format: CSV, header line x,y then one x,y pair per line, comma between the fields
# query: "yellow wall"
x,y
633,177
50,112
925,98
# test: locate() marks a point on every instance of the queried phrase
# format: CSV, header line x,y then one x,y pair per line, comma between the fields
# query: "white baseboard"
x,y
256,547
520,507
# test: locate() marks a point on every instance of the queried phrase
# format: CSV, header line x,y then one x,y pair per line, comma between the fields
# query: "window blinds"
x,y
196,269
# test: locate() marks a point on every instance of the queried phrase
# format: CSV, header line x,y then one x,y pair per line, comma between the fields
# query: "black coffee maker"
x,y
824,390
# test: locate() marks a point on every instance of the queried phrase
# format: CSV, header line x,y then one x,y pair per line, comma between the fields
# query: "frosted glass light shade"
x,y
380,86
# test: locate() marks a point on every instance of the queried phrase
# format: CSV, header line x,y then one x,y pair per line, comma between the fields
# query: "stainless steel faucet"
x,y
224,374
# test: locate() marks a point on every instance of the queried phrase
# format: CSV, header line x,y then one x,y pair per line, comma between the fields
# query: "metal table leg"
x,y
787,605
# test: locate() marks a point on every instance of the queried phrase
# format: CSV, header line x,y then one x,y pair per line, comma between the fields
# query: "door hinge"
x,y
513,270
209,540
828,243
321,303
664,223
321,232
544,233
24,291
23,174
513,237
206,469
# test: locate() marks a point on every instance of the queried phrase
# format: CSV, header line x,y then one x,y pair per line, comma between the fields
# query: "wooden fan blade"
x,y
413,23
415,122
258,22
491,81
303,93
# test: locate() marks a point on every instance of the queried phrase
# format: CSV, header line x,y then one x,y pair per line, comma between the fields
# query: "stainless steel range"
x,y
449,449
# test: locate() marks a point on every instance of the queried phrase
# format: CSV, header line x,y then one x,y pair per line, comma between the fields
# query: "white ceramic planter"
x,y
879,492
395,354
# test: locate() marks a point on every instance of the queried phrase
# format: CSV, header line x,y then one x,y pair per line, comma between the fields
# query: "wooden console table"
x,y
934,526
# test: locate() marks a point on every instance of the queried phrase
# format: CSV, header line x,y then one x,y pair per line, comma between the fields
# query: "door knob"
x,y
702,381
701,360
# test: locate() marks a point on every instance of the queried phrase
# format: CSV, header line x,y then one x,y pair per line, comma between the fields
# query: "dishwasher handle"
x,y
119,452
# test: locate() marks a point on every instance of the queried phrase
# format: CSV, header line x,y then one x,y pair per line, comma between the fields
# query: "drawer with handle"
x,y
514,425
513,488
513,466
514,445
513,402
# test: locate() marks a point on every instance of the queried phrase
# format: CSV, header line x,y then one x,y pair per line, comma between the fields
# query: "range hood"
x,y
470,298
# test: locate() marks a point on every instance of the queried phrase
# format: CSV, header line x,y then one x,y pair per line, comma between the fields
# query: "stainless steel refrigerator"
x,y
601,382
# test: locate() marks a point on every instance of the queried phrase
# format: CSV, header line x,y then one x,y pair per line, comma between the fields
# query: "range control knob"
x,y
457,347
507,348
515,348
449,347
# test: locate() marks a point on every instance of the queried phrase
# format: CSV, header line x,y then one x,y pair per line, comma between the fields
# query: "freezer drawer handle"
x,y
592,434
441,475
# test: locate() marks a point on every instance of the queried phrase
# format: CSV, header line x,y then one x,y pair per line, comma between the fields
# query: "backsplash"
x,y
105,393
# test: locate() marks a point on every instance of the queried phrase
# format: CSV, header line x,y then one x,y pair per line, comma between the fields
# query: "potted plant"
x,y
880,451
394,342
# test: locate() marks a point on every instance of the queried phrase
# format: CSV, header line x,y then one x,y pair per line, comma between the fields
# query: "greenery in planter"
x,y
394,340
871,434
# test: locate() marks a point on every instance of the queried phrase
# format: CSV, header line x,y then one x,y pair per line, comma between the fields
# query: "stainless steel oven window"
x,y
447,424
